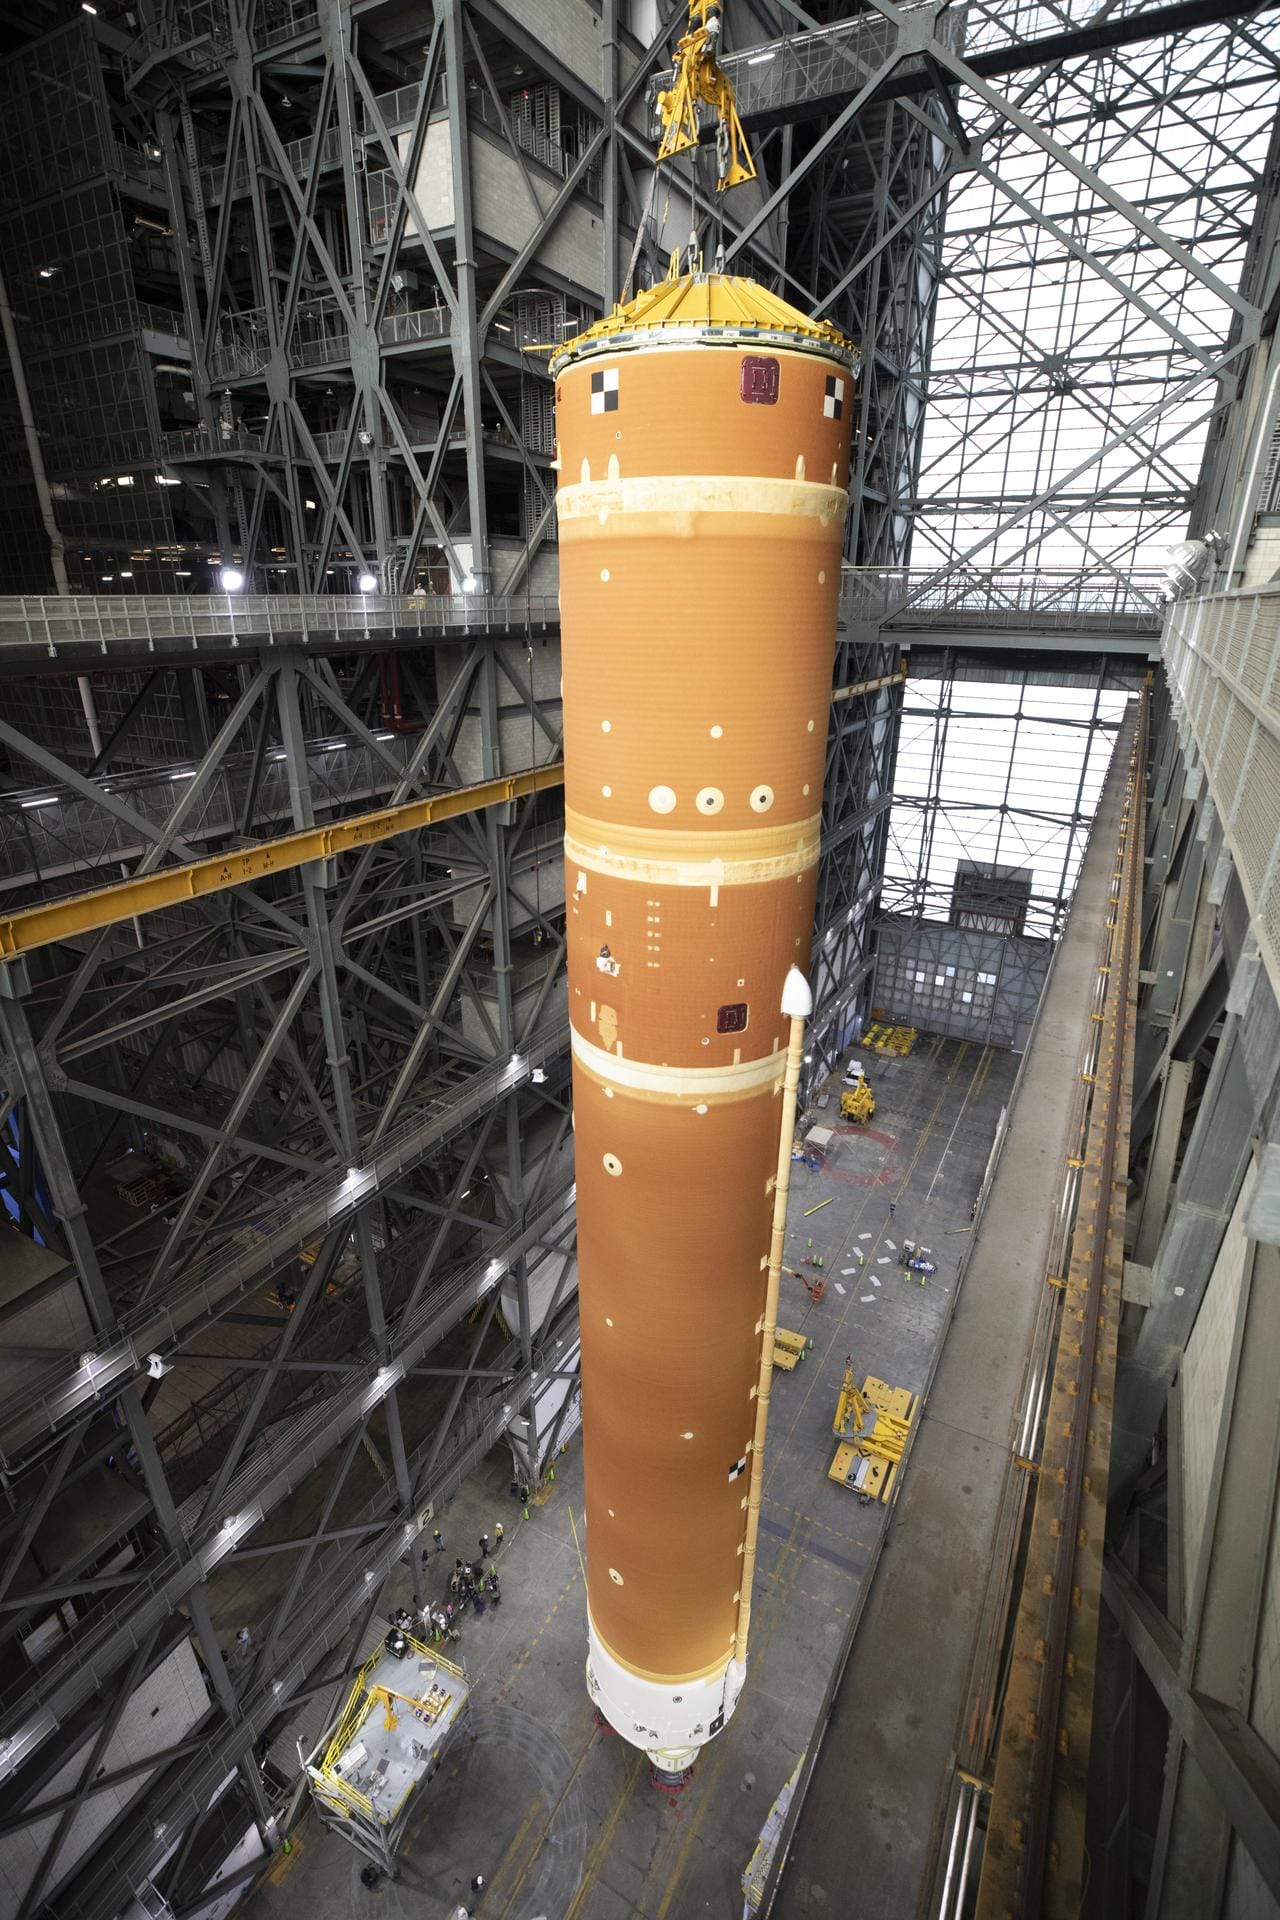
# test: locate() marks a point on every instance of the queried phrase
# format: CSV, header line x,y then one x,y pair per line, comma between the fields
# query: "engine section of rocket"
x,y
703,444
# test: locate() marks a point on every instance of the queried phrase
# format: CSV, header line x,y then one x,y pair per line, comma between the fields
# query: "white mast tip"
x,y
797,995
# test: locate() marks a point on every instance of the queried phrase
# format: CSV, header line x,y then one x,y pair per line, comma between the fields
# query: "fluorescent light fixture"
x,y
126,573
47,273
86,6
182,573
230,579
51,802
163,480
384,736
190,774
367,583
124,479
759,59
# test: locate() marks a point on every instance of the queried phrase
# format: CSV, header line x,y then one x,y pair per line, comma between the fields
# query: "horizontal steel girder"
x,y
58,920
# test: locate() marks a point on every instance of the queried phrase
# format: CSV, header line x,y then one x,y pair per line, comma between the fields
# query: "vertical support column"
x,y
610,287
495,828
320,937
336,32
466,332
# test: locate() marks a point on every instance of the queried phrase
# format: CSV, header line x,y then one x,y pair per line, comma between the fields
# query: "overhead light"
x,y
182,573
384,736
47,273
124,479
126,573
367,583
468,583
230,579
759,59
52,801
87,7
163,480
107,578
310,505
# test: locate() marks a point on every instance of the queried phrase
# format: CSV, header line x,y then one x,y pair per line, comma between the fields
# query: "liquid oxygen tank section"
x,y
703,443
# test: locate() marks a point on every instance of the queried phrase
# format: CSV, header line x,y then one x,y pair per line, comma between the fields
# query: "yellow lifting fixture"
x,y
872,1423
858,1103
698,79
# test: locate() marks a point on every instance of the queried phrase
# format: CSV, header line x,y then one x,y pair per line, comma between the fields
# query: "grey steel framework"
x,y
341,1094
346,1089
1003,773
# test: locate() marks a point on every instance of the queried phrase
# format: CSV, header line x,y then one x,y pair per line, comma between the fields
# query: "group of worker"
x,y
471,1584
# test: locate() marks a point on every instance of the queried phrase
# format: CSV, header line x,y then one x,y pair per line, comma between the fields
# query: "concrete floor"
x,y
873,1813
559,1815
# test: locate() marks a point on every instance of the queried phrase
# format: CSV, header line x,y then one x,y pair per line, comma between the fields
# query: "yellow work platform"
x,y
789,1349
885,1039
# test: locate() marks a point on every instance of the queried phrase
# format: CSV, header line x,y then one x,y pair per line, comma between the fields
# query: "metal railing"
x,y
198,443
82,626
813,66
1010,596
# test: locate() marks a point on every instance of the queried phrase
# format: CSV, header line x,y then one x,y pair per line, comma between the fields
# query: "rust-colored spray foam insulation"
x,y
703,443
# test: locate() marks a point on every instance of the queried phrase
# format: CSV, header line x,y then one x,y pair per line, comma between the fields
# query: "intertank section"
x,y
703,450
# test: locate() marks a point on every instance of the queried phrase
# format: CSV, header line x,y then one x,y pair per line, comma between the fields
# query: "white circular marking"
x,y
701,1107
606,726
615,1576
662,799
604,573
612,1164
717,733
611,1513
809,729
608,1093
804,789
709,800
608,792
608,1322
761,799
822,579
686,1436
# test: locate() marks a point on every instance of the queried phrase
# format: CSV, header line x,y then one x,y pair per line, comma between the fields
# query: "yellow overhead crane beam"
x,y
698,78
107,906
172,886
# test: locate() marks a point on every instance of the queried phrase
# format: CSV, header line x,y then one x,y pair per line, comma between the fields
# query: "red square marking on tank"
x,y
758,381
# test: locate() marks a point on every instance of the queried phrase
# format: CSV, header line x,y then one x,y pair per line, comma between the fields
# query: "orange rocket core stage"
x,y
702,501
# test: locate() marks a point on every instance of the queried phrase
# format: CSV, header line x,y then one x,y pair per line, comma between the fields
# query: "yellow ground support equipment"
x,y
858,1104
789,1349
697,79
883,1039
872,1422
387,1742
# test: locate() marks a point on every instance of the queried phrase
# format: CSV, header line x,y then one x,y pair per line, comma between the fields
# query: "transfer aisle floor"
x,y
558,1815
